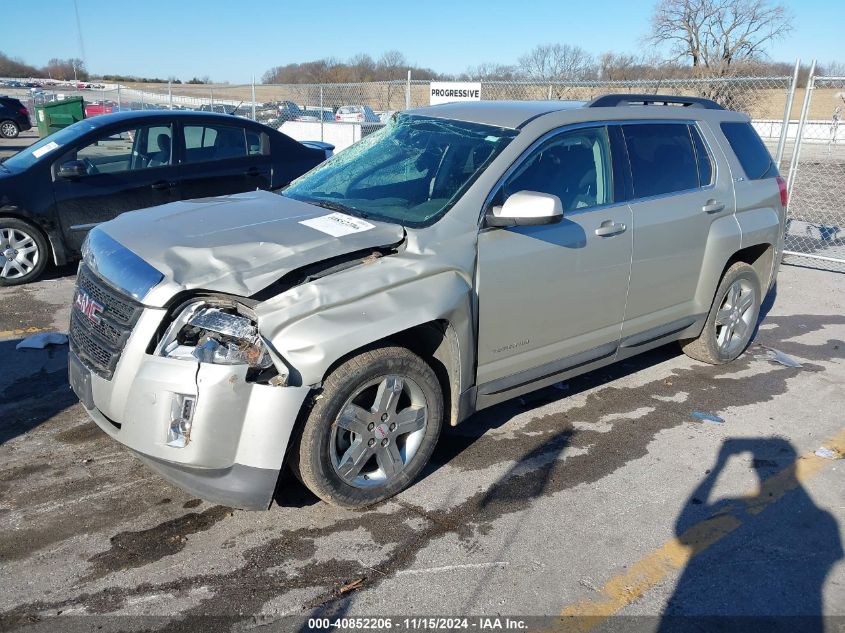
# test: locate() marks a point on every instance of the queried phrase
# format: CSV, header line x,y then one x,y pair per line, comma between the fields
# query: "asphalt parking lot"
x,y
605,497
9,146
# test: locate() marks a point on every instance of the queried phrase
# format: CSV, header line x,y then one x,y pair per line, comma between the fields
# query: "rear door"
x,y
678,193
219,159
129,167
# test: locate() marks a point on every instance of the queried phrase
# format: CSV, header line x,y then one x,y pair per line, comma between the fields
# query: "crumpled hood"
x,y
239,244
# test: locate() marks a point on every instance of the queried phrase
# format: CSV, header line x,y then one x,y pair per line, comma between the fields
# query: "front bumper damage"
x,y
239,431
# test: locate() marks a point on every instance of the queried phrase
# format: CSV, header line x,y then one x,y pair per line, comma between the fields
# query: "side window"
x,y
215,142
257,143
702,158
574,166
159,145
662,158
749,149
128,150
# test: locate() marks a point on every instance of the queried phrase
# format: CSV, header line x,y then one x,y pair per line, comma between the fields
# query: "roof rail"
x,y
613,100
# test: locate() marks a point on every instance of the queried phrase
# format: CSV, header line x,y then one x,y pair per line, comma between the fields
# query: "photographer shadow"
x,y
758,563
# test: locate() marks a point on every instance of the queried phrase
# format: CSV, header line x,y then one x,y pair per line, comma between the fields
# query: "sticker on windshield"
x,y
45,149
338,224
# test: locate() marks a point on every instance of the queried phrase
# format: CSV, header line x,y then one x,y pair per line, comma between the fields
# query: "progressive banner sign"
x,y
450,91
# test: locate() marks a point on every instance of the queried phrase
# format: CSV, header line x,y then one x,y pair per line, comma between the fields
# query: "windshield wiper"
x,y
336,206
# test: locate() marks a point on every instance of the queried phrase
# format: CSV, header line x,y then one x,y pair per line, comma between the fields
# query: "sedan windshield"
x,y
410,172
48,145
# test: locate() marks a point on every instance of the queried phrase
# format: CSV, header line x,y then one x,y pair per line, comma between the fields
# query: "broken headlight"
x,y
216,334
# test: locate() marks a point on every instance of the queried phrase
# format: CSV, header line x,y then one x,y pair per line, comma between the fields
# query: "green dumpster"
x,y
55,115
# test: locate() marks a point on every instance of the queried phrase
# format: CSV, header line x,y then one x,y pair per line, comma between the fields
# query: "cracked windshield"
x,y
409,172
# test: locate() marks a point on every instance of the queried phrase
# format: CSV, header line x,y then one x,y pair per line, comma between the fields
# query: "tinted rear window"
x,y
662,158
749,149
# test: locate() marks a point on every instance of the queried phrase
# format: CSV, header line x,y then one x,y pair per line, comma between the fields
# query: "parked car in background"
x,y
14,117
356,114
97,108
316,114
55,191
462,255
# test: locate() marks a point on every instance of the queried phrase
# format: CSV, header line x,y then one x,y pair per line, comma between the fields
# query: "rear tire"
x,y
732,319
9,129
372,429
23,252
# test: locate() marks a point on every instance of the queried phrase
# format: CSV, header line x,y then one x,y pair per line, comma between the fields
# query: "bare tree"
x,y
65,69
362,67
618,66
718,36
549,62
490,71
832,68
392,64
16,67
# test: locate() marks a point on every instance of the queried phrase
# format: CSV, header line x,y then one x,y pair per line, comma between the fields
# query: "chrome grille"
x,y
98,338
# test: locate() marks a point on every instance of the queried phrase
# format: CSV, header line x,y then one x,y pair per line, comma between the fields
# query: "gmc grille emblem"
x,y
87,306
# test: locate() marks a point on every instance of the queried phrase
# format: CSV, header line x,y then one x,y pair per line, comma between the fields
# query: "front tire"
x,y
732,319
9,129
372,429
23,252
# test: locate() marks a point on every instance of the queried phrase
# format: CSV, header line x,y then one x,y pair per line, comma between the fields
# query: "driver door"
x,y
551,298
128,168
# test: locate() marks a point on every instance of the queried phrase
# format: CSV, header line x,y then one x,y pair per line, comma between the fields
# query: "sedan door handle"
x,y
713,207
609,228
252,172
162,185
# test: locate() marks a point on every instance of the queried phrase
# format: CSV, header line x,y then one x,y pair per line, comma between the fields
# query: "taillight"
x,y
337,117
784,194
24,111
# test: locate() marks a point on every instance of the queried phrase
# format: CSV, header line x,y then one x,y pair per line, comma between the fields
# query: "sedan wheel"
x,y
9,129
22,252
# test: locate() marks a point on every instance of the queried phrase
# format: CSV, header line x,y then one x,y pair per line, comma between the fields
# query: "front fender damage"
x,y
312,325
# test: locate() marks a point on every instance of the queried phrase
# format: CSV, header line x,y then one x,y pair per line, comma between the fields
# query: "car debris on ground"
x,y
42,340
708,417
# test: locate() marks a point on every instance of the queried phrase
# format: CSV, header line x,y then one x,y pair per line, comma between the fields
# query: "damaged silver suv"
x,y
462,255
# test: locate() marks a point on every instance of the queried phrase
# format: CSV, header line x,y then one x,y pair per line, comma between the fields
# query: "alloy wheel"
x,y
9,129
378,431
734,318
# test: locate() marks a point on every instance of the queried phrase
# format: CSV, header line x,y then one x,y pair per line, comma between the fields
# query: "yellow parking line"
x,y
622,590
4,334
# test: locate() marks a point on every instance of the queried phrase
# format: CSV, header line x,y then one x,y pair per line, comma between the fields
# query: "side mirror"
x,y
72,169
527,208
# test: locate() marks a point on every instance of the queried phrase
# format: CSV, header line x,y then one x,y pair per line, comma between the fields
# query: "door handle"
x,y
713,207
609,228
162,185
252,172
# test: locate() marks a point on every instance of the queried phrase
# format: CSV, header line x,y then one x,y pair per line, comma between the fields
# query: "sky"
x,y
229,40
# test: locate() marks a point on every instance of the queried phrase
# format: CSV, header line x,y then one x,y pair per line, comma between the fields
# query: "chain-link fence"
x,y
761,97
815,232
